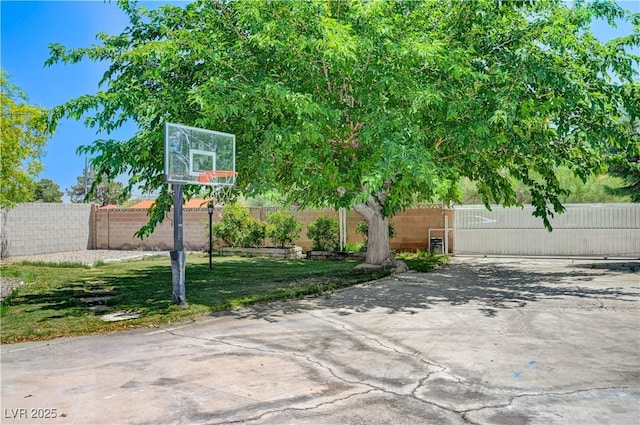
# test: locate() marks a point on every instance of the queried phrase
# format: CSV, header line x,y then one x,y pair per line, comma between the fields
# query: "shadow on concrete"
x,y
614,266
491,286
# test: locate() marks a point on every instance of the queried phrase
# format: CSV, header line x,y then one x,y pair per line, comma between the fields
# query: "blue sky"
x,y
27,28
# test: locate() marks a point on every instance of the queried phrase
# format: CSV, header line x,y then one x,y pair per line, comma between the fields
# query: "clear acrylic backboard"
x,y
199,156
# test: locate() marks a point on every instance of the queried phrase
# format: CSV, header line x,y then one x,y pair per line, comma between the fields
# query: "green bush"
x,y
238,228
255,234
325,234
355,247
283,229
423,261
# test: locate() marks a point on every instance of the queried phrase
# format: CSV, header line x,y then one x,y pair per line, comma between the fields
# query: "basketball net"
x,y
221,184
221,194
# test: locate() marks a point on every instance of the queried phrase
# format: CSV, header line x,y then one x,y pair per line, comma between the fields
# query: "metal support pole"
x,y
342,215
446,234
178,234
210,209
178,255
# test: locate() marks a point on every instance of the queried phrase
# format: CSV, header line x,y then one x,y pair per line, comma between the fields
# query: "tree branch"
x,y
326,75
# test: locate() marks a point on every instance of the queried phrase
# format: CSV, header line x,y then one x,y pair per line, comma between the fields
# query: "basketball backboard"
x,y
198,156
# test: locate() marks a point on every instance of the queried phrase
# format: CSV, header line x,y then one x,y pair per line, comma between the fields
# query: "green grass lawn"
x,y
53,301
68,299
423,261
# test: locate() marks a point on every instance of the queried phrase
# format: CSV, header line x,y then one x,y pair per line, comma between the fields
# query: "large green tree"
x,y
22,140
367,105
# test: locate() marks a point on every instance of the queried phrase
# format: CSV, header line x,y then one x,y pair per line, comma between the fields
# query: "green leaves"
x,y
335,102
283,229
238,228
24,136
324,232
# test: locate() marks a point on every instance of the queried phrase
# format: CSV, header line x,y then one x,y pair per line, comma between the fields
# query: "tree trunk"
x,y
378,251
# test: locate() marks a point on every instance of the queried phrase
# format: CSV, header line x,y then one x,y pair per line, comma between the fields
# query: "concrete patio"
x,y
480,341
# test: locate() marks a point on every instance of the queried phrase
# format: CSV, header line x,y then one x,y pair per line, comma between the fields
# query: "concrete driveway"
x,y
480,341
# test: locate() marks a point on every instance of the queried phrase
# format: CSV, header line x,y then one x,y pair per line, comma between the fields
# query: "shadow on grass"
x,y
147,288
491,286
139,290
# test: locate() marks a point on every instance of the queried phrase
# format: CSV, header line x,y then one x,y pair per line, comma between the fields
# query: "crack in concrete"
x,y
512,399
296,409
431,363
419,385
463,414
293,354
351,330
281,353
319,364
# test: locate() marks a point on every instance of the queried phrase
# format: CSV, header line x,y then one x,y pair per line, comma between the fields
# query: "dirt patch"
x,y
87,257
8,285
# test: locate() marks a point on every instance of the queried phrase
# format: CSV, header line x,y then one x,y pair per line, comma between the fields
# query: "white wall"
x,y
583,230
39,228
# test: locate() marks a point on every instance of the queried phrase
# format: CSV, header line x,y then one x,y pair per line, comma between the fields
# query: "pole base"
x,y
178,262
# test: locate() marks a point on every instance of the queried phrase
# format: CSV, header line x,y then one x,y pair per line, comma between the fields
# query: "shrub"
x,y
355,247
255,234
283,229
238,228
325,234
422,261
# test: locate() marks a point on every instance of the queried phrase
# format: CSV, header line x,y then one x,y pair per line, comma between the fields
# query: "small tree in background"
x,y
629,171
47,191
255,234
91,189
283,229
325,234
625,164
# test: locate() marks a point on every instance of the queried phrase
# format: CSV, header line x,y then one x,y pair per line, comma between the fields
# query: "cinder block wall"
x,y
307,217
114,228
412,227
40,228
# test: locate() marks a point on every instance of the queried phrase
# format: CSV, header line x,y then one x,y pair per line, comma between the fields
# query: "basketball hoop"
x,y
225,177
199,156
195,156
